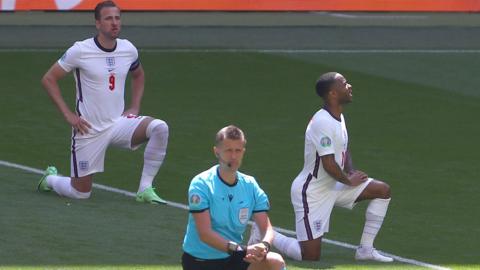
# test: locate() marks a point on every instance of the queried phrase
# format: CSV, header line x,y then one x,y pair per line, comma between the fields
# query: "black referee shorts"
x,y
231,263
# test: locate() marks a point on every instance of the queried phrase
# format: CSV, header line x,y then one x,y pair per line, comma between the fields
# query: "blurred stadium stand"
x,y
250,30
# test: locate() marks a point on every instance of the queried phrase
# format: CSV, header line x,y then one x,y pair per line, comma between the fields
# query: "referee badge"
x,y
243,215
326,142
195,199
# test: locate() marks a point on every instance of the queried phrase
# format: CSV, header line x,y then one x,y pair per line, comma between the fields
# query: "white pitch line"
x,y
284,51
185,207
389,17
325,51
99,186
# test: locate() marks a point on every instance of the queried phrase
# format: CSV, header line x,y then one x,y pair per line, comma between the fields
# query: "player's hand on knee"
x,y
256,253
362,174
250,258
131,112
357,177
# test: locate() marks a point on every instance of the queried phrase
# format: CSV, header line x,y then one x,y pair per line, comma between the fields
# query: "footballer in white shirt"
x,y
100,66
329,179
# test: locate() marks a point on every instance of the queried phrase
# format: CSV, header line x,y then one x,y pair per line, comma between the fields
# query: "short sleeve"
x,y
70,58
322,137
198,199
133,50
135,65
261,199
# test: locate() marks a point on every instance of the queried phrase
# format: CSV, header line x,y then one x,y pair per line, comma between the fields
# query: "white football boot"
x,y
364,253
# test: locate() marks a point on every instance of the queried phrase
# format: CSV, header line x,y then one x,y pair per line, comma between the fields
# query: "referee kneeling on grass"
x,y
221,202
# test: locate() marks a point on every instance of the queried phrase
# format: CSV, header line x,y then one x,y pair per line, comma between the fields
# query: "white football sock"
x,y
376,211
155,151
63,187
288,246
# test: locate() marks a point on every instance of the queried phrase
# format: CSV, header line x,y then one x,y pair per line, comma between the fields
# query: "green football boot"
x,y
149,196
42,184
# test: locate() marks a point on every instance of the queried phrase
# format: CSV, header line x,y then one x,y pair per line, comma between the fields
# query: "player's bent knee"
x,y
386,193
76,194
275,261
311,249
82,195
82,184
311,256
157,127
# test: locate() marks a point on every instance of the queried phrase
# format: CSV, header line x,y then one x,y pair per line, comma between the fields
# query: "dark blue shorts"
x,y
231,263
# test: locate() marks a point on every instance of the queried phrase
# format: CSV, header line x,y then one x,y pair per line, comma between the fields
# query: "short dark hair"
x,y
229,132
102,5
324,83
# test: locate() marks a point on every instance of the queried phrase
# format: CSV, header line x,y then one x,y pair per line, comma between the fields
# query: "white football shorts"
x,y
313,201
88,154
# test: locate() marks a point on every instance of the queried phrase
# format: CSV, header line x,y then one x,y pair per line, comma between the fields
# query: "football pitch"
x,y
413,123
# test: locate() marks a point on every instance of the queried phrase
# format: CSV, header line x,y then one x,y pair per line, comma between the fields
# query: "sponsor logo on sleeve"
x,y
325,142
195,199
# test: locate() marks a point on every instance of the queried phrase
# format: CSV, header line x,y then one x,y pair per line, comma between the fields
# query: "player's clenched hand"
x,y
79,124
357,177
256,253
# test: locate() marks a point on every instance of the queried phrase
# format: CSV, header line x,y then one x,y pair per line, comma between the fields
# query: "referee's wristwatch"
x,y
267,245
232,247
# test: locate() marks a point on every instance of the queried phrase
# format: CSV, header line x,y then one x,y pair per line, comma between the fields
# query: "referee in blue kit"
x,y
221,202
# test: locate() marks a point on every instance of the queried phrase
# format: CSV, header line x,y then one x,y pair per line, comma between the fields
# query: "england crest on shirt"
x,y
110,61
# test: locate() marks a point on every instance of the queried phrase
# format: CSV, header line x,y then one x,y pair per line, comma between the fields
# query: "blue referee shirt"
x,y
230,206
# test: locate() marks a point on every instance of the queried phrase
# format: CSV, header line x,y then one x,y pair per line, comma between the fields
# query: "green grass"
x,y
43,229
109,231
412,123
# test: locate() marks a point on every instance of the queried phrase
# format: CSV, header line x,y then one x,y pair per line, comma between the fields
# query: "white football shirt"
x,y
325,135
100,76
